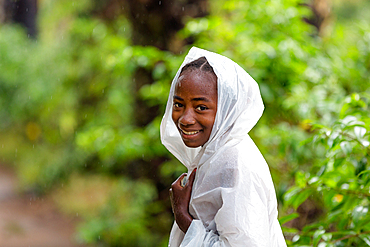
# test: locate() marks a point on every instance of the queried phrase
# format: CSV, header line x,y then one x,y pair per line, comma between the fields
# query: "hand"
x,y
180,198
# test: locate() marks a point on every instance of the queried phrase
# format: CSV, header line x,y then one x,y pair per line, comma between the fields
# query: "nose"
x,y
187,118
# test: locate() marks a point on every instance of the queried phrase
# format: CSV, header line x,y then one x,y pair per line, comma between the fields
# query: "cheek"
x,y
175,117
211,120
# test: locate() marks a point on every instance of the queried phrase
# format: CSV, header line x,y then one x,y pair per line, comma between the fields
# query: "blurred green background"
x,y
83,86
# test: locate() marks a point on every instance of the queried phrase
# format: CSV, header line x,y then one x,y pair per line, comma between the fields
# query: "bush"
x,y
339,182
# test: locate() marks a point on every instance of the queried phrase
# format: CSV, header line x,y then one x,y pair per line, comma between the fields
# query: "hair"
x,y
201,64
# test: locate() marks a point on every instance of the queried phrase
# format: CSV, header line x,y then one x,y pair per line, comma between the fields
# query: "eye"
x,y
177,105
202,108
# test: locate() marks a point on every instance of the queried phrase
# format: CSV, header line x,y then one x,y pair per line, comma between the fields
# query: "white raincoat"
x,y
233,199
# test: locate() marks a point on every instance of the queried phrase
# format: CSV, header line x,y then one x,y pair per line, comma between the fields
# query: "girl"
x,y
229,198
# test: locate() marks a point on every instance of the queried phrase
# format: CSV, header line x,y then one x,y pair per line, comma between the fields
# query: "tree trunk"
x,y
23,12
321,11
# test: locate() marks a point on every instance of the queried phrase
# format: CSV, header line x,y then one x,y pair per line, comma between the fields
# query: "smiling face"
x,y
195,106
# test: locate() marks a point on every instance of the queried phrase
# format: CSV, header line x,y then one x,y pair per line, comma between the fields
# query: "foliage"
x,y
341,181
66,108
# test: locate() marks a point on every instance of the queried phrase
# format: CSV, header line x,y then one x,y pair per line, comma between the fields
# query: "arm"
x,y
238,224
241,220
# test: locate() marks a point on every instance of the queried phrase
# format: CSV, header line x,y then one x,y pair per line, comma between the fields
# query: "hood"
x,y
239,108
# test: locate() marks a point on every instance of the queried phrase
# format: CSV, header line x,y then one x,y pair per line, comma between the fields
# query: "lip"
x,y
193,132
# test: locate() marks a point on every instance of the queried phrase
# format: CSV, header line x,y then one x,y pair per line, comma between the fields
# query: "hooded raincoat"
x,y
233,199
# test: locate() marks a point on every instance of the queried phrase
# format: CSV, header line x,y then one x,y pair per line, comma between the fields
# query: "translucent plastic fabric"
x,y
233,200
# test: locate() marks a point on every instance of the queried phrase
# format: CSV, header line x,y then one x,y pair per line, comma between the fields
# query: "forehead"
x,y
197,82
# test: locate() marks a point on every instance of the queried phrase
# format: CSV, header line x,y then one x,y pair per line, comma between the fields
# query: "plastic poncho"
x,y
233,199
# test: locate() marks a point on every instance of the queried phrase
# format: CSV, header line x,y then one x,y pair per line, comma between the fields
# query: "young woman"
x,y
229,198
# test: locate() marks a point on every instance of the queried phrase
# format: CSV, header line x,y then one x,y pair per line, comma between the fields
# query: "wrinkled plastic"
x,y
233,199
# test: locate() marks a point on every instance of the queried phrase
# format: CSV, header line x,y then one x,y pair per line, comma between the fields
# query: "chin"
x,y
192,144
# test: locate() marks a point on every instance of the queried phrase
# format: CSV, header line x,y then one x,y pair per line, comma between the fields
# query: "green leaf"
x,y
317,236
365,238
346,147
297,196
359,132
288,218
363,172
300,179
291,194
327,236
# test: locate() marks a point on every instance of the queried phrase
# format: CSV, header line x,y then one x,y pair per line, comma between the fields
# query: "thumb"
x,y
191,178
178,180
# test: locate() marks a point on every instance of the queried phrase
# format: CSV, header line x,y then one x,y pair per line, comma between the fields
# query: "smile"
x,y
190,132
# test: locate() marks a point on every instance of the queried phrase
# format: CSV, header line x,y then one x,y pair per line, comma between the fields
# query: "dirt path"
x,y
27,221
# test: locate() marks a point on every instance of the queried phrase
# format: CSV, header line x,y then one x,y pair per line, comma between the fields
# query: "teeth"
x,y
190,133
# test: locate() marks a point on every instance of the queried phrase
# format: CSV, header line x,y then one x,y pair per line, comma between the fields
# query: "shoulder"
x,y
244,156
234,162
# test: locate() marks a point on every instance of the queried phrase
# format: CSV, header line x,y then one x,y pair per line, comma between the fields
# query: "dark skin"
x,y
194,112
195,106
180,198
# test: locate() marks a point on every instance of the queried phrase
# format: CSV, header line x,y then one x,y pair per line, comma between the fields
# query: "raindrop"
x,y
160,2
28,35
51,97
29,97
85,117
2,146
73,4
99,237
26,9
124,29
62,185
33,145
77,214
85,164
102,91
183,8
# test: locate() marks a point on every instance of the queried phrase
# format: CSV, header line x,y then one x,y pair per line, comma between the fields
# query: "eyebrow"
x,y
193,99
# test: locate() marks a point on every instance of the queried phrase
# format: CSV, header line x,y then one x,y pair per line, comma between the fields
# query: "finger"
x,y
171,200
171,195
178,180
191,178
